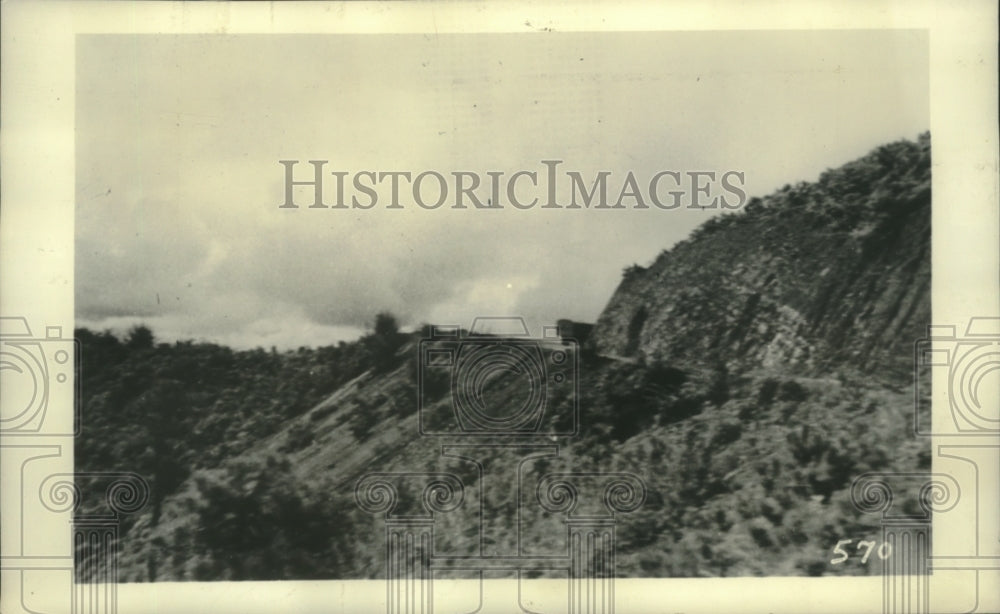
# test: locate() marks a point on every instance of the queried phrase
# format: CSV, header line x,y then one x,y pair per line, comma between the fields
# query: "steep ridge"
x,y
748,375
824,275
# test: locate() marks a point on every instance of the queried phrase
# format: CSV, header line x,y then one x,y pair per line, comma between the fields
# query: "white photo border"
x,y
37,255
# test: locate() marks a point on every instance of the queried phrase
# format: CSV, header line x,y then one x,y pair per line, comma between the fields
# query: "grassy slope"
x,y
253,456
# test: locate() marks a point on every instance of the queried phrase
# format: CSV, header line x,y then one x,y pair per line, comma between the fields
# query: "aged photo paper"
x,y
485,307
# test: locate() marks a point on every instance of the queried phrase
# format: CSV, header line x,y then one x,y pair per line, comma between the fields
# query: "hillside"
x,y
747,375
818,276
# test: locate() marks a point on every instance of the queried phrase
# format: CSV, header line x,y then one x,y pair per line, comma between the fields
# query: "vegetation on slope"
x,y
817,276
747,421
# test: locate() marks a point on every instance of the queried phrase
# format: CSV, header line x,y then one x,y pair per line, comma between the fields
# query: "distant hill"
x,y
747,375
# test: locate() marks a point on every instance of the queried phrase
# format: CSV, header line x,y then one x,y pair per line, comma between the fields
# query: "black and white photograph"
x,y
735,247
504,320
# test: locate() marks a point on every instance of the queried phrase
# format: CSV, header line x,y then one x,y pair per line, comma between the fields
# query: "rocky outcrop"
x,y
827,275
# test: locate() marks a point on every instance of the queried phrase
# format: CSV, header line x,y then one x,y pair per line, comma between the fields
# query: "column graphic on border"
x,y
39,378
591,530
906,531
956,386
409,533
95,532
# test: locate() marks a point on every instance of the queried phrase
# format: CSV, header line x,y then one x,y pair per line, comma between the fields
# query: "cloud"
x,y
178,180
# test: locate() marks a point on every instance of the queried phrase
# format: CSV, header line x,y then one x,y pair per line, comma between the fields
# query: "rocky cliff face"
x,y
827,275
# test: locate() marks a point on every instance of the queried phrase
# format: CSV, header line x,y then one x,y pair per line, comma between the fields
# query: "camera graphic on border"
x,y
497,380
973,364
35,370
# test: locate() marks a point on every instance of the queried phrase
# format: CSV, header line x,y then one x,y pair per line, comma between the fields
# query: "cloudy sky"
x,y
179,184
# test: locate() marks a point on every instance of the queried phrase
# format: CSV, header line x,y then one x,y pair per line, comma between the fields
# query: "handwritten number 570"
x,y
884,551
